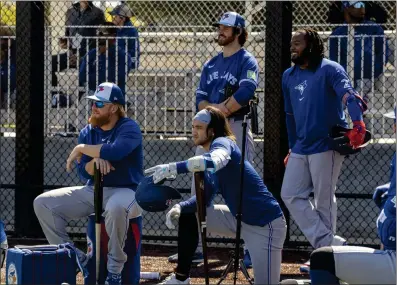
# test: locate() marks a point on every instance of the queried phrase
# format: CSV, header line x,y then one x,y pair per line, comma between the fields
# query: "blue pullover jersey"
x,y
122,148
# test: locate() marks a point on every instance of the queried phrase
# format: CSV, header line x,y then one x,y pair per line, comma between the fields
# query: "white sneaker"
x,y
338,241
172,280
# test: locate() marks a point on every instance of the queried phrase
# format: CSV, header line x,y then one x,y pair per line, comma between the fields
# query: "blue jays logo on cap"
x,y
100,88
231,19
108,92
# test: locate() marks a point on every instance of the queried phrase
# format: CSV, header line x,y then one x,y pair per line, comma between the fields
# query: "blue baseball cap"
x,y
122,10
155,197
231,19
356,4
108,92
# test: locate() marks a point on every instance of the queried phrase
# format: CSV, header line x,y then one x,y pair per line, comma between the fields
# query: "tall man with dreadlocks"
x,y
316,91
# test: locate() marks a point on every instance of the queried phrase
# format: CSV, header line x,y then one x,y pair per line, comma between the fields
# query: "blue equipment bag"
x,y
41,264
132,268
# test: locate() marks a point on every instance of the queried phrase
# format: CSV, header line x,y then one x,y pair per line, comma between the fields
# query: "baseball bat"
x,y
202,217
98,201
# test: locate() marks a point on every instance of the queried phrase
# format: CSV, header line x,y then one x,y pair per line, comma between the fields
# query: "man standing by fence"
x,y
228,82
122,19
316,90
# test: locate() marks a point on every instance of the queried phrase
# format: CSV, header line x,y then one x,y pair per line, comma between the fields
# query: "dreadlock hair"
x,y
219,124
314,47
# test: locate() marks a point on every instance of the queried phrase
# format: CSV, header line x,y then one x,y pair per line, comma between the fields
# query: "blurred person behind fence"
x,y
81,13
104,59
369,38
7,68
108,60
122,19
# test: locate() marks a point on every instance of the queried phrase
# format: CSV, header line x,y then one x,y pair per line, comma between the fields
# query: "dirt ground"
x,y
154,258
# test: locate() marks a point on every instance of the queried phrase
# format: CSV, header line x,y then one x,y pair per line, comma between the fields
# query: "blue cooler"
x,y
132,268
42,264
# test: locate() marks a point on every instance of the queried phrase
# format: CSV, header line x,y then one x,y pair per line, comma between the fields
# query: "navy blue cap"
x,y
231,19
108,92
122,10
356,4
155,197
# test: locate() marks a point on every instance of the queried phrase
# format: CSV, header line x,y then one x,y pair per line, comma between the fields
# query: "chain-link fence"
x,y
156,58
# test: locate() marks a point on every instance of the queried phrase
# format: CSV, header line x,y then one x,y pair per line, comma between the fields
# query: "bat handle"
x,y
97,250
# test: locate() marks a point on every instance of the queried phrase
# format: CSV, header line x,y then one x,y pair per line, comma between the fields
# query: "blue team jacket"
x,y
133,47
122,147
4,77
104,66
359,31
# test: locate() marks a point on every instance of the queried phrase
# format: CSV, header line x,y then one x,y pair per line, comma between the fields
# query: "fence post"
x,y
29,143
277,60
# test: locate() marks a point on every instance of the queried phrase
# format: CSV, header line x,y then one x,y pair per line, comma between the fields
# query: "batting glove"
x,y
163,171
357,134
172,215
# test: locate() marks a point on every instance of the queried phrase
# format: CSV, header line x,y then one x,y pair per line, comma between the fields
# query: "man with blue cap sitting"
x,y
263,226
114,143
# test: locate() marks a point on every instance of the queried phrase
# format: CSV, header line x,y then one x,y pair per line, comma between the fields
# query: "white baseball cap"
x,y
231,19
108,92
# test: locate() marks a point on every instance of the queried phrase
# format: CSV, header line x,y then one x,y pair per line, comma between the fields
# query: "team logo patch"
x,y
347,83
301,87
100,88
251,75
12,275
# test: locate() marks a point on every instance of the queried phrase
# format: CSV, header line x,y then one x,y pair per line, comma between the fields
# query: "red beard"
x,y
99,121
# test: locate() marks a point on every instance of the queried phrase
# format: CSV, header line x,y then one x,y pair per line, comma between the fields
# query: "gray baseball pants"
x,y
318,173
237,129
265,243
54,209
362,265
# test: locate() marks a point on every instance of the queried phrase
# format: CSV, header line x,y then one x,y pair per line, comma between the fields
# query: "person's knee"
x,y
286,196
38,204
116,211
323,259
